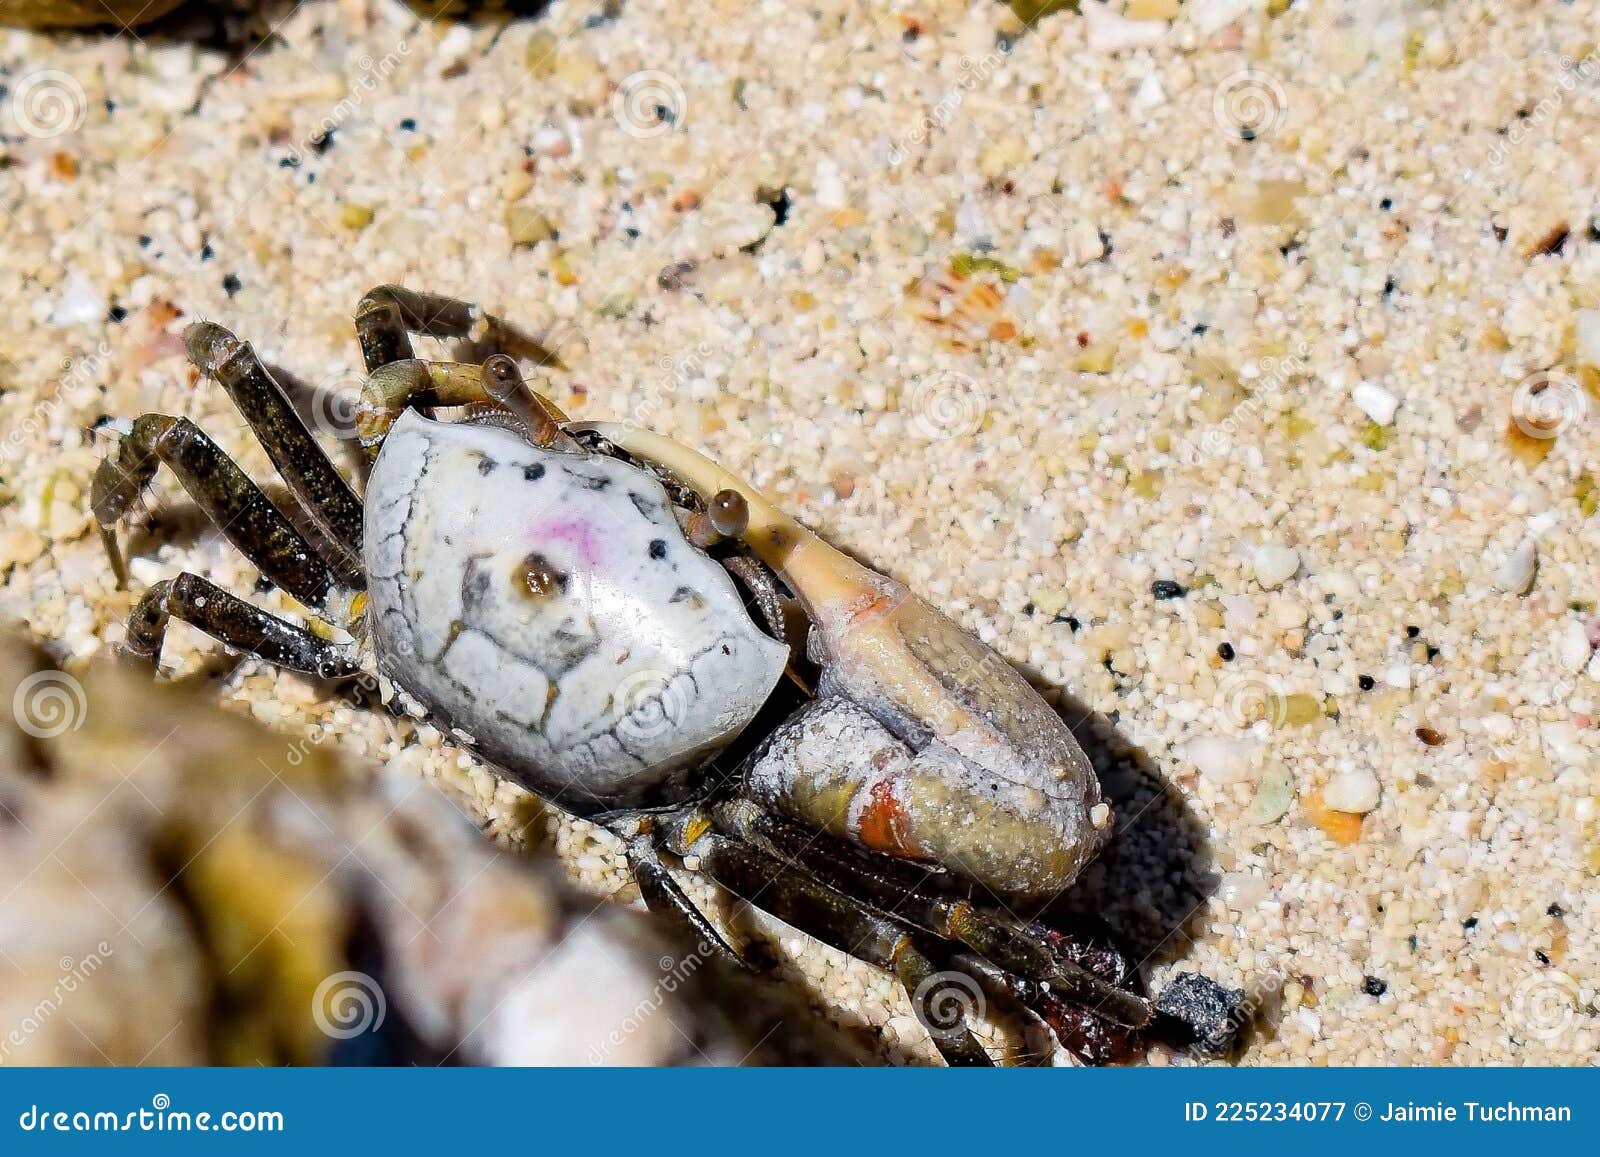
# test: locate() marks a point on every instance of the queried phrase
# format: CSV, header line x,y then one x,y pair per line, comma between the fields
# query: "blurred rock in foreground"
x,y
184,887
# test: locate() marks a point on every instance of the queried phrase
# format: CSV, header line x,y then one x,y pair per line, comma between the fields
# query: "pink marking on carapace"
x,y
582,536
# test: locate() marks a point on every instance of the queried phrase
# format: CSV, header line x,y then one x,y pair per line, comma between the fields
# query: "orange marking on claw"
x,y
884,823
871,607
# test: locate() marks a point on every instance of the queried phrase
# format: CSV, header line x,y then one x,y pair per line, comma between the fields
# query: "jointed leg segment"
x,y
229,619
230,499
310,475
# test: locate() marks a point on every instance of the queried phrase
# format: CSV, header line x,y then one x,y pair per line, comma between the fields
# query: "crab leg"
x,y
397,386
819,911
229,619
230,499
320,489
665,898
386,313
993,935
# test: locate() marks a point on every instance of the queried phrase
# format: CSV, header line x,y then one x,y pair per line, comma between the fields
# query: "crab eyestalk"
x,y
540,419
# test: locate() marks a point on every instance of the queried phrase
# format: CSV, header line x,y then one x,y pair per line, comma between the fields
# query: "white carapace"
x,y
547,604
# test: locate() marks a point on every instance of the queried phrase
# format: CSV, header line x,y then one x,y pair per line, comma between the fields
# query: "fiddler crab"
x,y
569,600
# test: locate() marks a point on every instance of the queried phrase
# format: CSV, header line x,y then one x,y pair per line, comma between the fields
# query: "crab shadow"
x,y
1151,882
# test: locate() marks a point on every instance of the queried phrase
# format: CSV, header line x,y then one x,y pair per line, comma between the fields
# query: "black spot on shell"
x,y
658,548
597,483
487,465
642,504
533,473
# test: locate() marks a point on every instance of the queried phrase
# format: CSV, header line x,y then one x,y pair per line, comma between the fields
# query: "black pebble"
x,y
1470,922
408,124
1555,910
231,285
1366,682
116,313
1372,986
1164,589
1225,652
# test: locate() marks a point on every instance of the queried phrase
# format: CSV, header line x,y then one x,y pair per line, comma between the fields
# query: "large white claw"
x,y
1022,813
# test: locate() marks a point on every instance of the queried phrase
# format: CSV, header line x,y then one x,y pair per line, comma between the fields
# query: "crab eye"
x,y
729,512
539,578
